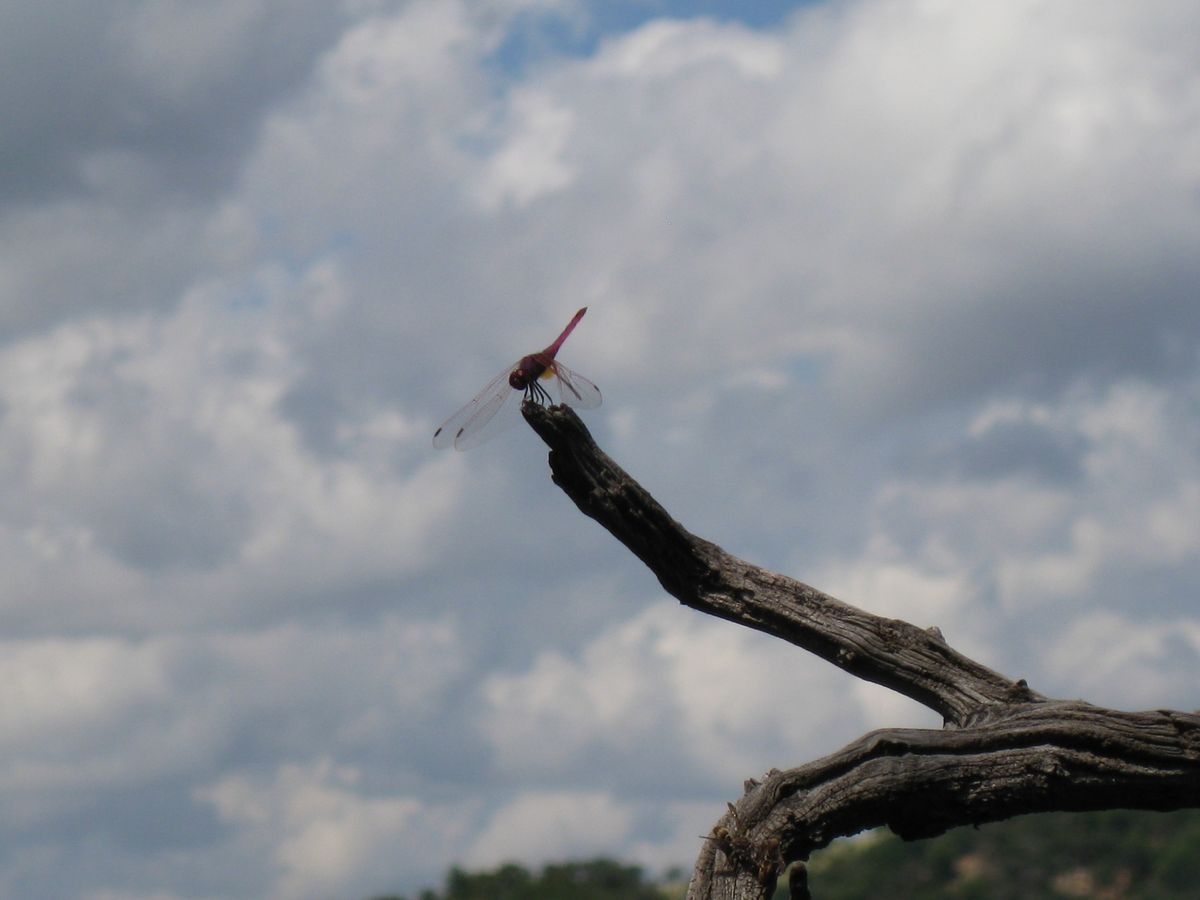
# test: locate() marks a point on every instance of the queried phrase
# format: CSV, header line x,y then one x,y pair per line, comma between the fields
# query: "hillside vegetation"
x,y
1116,855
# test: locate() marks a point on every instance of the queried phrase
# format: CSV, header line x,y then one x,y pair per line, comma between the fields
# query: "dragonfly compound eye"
x,y
518,379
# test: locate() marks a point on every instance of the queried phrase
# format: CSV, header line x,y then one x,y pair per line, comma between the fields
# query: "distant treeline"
x,y
596,879
1117,855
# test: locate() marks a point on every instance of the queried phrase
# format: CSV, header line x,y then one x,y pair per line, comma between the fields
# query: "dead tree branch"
x,y
1005,749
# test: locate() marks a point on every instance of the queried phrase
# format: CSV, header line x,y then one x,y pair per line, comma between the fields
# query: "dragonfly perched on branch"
x,y
539,376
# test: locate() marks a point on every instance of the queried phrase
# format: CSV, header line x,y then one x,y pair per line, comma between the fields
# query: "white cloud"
x,y
668,48
63,693
546,825
543,719
529,164
1010,561
680,695
899,292
883,708
1143,476
1125,662
322,832
901,591
148,455
96,714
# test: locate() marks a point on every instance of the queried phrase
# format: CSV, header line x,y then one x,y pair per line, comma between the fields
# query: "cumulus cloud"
x,y
125,127
98,712
321,832
677,702
897,297
150,455
1126,662
735,704
1105,526
546,825
133,736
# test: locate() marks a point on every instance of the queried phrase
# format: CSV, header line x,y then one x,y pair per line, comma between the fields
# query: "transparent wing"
x,y
492,422
470,425
569,387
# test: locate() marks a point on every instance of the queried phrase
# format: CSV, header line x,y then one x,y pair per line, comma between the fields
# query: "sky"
x,y
897,297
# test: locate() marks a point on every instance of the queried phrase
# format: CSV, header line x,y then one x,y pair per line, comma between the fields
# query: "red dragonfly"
x,y
478,420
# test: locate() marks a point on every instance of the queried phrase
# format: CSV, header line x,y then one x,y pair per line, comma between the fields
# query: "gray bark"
x,y
1004,749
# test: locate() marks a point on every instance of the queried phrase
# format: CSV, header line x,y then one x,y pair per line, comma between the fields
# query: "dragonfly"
x,y
539,376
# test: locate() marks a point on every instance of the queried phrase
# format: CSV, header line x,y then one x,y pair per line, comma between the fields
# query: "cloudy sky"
x,y
898,297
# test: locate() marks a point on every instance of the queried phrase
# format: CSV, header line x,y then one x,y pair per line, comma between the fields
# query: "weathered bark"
x,y
1004,750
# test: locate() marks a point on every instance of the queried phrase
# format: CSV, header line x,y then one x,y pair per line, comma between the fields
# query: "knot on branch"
x,y
762,859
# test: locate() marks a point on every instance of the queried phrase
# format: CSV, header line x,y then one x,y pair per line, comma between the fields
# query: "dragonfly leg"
x,y
537,393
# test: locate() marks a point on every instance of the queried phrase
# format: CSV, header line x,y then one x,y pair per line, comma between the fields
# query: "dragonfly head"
x,y
519,379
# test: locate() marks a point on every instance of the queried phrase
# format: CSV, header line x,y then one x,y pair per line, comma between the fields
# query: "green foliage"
x,y
1118,855
596,879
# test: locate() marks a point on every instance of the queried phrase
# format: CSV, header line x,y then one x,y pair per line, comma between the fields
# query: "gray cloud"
x,y
1011,448
170,94
126,125
899,304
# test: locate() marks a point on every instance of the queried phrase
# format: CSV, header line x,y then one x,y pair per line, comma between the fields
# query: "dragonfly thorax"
x,y
527,372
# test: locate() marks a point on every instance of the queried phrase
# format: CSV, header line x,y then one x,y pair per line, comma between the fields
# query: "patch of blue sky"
x,y
339,243
248,299
343,242
808,369
537,35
